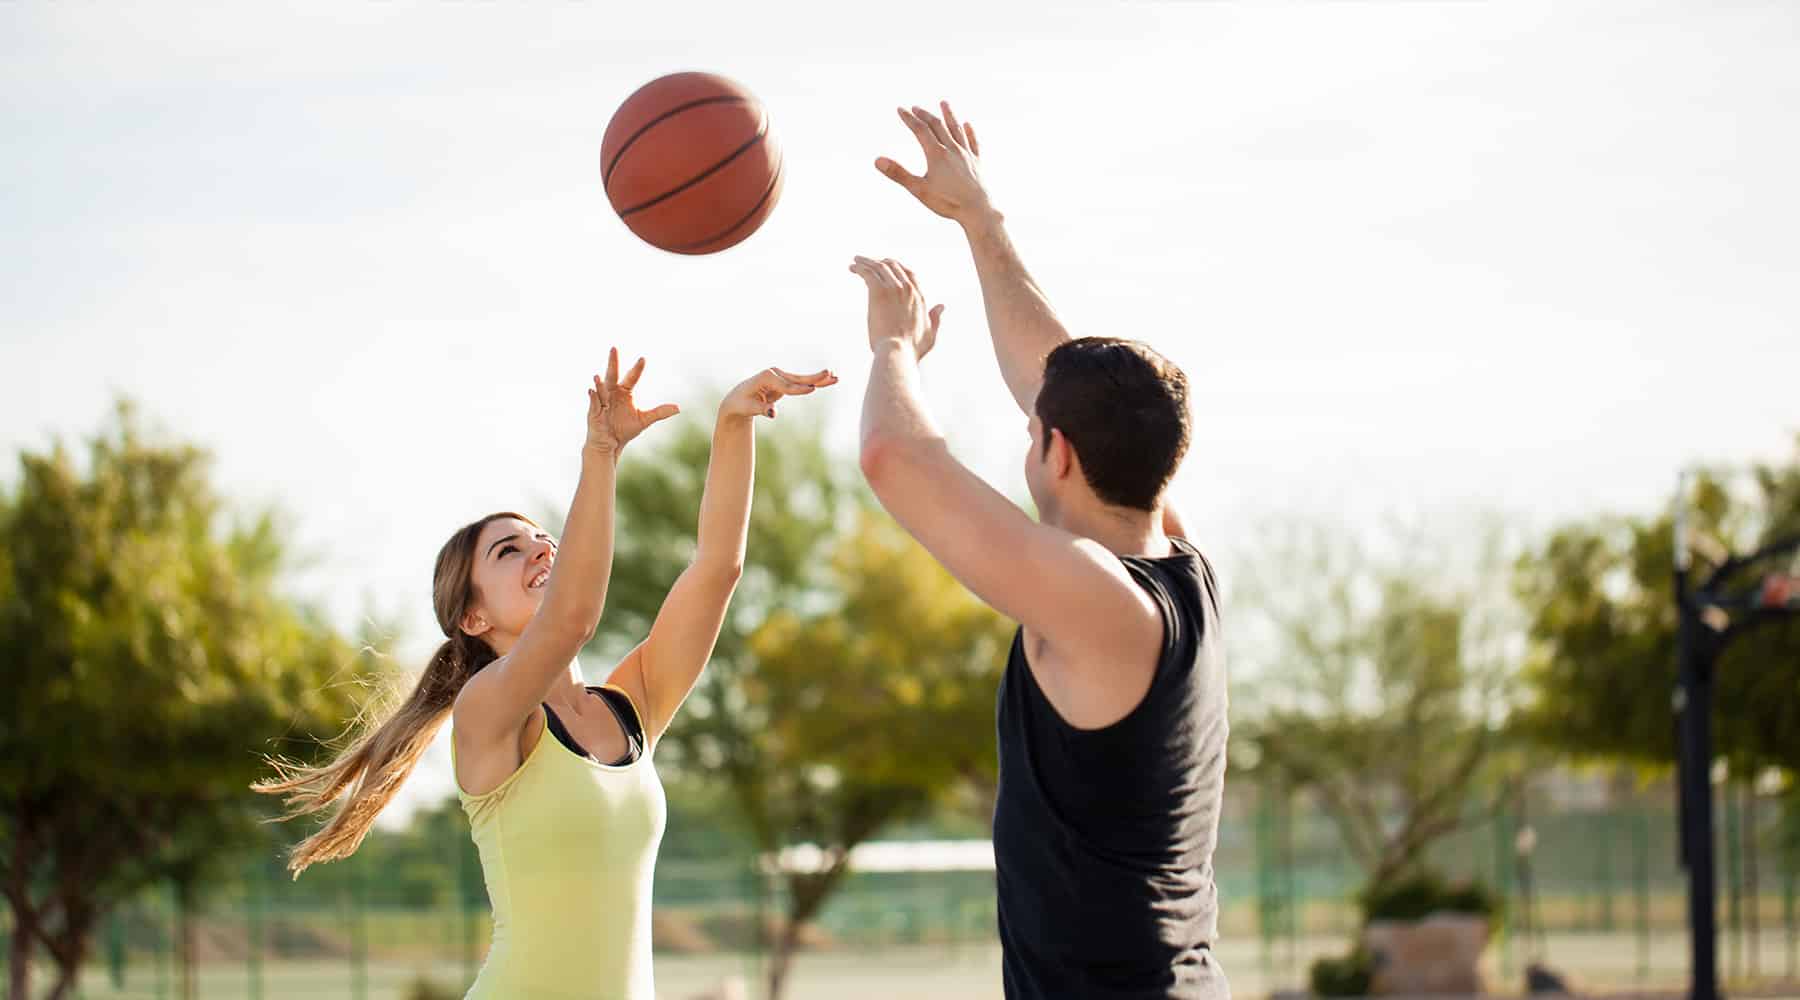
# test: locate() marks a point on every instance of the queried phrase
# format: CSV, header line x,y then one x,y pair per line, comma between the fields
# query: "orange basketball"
x,y
689,163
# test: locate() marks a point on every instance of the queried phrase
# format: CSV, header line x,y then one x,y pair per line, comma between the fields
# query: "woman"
x,y
567,825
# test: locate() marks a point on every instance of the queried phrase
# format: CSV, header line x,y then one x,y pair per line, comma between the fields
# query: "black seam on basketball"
x,y
762,131
774,181
606,170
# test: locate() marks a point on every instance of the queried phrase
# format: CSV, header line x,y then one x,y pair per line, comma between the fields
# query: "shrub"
x,y
1422,892
424,988
1343,977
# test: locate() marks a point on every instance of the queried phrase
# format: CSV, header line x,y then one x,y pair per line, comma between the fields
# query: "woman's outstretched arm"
x,y
661,671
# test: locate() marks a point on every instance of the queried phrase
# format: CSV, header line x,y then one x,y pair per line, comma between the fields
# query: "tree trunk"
x,y
69,945
18,897
184,941
783,960
65,983
1395,859
18,962
806,896
1751,880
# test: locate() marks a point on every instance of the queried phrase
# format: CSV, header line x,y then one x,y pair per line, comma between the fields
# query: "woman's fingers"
x,y
630,380
821,377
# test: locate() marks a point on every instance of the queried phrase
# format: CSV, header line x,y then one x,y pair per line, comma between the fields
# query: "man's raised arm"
x,y
1023,326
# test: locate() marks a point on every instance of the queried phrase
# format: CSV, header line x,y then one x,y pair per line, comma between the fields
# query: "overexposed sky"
x,y
1415,255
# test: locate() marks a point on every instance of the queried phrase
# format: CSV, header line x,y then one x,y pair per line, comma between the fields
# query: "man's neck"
x,y
1124,532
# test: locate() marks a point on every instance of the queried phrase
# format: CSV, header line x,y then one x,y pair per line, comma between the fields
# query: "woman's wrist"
x,y
601,451
728,417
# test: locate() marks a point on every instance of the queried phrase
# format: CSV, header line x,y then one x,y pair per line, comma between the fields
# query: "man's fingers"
x,y
868,275
953,125
899,175
915,120
630,380
661,413
877,272
612,367
929,339
938,131
961,132
896,273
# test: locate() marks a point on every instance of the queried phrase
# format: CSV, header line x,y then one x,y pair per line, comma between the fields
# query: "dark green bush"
x,y
423,988
1343,977
1472,897
1420,893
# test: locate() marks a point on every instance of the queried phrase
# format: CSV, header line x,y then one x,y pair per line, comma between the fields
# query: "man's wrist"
x,y
900,346
984,223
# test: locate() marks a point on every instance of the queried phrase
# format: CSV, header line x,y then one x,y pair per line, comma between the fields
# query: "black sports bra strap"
x,y
634,733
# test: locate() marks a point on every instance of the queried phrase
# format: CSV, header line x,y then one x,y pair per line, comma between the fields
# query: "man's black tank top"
x,y
1103,839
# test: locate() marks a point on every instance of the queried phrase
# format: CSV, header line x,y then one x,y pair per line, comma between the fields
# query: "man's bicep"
x,y
966,525
1041,577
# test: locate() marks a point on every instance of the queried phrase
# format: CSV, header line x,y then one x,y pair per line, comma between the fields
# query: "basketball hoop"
x,y
1705,602
1780,591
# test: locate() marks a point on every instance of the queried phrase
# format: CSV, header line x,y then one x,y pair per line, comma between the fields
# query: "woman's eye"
x,y
505,549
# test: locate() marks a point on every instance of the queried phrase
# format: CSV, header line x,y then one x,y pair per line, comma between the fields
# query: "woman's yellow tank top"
x,y
568,847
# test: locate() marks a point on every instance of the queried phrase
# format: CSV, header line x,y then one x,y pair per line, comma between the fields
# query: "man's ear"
x,y
1061,456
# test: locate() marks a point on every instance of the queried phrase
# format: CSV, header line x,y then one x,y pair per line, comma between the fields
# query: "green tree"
x,y
1380,670
853,682
150,654
430,862
876,707
802,500
1602,665
1600,605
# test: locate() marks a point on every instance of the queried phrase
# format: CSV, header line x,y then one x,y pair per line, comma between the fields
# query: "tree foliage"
x,y
1377,682
150,655
1600,603
853,684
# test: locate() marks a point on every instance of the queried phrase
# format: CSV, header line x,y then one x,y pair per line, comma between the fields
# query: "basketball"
x,y
689,163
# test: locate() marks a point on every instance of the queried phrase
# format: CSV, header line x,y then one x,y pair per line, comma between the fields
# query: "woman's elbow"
x,y
722,571
573,625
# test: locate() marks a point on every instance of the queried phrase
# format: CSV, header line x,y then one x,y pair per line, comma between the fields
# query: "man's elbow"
x,y
893,464
877,459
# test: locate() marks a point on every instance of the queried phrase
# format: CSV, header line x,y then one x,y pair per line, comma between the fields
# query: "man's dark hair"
x,y
1123,408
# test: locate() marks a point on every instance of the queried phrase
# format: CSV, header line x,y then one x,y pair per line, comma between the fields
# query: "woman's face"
x,y
512,565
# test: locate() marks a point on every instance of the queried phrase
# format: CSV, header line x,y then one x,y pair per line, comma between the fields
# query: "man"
x,y
1112,711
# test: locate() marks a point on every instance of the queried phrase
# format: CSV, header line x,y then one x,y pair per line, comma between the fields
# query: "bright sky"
x,y
1417,256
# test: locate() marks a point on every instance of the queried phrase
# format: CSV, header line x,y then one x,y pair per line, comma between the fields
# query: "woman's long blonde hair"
x,y
377,760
